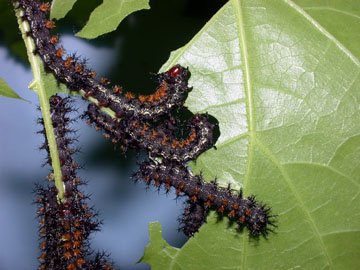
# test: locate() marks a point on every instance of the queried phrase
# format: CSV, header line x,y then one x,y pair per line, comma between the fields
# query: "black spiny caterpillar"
x,y
247,212
143,122
65,227
72,71
159,141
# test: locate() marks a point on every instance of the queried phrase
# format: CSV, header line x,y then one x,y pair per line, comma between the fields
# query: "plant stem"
x,y
38,85
108,111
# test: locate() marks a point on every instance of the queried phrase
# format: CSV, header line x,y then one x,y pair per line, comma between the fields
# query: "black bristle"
x,y
192,219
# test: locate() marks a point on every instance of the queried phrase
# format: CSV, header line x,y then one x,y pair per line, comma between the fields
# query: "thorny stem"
x,y
38,85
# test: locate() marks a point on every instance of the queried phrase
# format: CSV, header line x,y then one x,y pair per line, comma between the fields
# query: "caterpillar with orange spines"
x,y
65,227
246,212
169,95
143,122
172,172
158,140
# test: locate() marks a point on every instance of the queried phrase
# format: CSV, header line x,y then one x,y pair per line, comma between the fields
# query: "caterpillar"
x,y
172,172
144,122
65,227
72,71
192,219
246,212
159,141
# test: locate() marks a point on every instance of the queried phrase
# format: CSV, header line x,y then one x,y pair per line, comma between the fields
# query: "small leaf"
x,y
46,81
59,8
106,17
157,243
51,85
6,91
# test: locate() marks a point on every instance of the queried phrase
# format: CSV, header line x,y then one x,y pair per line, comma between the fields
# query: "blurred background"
x,y
140,46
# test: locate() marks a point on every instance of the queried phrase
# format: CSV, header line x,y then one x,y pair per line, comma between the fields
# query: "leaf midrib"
x,y
253,140
250,113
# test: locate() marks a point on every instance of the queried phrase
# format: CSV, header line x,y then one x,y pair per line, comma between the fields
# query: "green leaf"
x,y
47,82
6,91
59,8
340,18
157,243
286,94
106,17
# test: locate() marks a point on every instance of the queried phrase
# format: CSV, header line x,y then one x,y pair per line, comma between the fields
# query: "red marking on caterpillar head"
x,y
175,71
196,118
